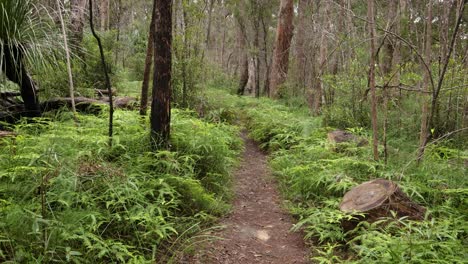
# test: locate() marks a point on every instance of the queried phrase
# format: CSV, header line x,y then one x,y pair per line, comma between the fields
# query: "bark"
x,y
106,75
256,45
317,91
388,47
424,132
148,63
243,58
161,103
104,8
300,43
372,36
267,60
391,57
208,28
77,22
15,71
185,56
284,33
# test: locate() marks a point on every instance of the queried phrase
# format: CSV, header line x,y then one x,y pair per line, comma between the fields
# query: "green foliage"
x,y
315,174
27,29
65,196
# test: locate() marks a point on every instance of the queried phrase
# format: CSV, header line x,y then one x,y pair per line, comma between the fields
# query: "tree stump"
x,y
377,198
341,136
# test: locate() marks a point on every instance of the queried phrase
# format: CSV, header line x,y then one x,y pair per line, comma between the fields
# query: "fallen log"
x,y
126,102
104,92
377,199
7,134
82,104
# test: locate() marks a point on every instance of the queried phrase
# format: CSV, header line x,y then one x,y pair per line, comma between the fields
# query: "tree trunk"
x,y
104,8
390,58
106,74
148,63
243,58
300,43
371,26
67,52
317,92
185,55
424,132
284,33
161,107
256,45
208,28
266,83
16,72
77,22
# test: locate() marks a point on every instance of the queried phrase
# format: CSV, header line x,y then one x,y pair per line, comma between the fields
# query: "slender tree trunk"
x,y
266,83
208,28
428,115
106,74
104,8
67,53
119,19
318,91
300,43
77,22
148,63
284,33
256,45
161,106
372,36
391,57
185,55
243,58
424,132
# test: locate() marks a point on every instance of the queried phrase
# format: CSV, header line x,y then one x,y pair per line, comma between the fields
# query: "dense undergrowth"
x,y
66,196
314,179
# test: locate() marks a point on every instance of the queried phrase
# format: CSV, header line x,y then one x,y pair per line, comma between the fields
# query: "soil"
x,y
258,228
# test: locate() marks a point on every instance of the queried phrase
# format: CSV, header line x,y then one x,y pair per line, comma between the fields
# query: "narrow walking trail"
x,y
257,230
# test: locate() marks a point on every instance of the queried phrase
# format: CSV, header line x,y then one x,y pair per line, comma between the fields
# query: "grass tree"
x,y
26,40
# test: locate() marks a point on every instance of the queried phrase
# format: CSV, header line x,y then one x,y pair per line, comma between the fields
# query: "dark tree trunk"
x,y
161,106
284,33
16,72
243,58
106,75
148,62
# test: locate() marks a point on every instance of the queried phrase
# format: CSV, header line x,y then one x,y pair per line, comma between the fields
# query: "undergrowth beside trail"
x,y
314,179
65,196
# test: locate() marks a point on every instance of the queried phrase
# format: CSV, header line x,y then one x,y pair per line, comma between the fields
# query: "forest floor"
x,y
258,228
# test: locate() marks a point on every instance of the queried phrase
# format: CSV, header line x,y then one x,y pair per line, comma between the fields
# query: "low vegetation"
x,y
67,197
315,175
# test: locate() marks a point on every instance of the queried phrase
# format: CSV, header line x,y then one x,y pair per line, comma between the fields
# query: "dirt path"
x,y
257,230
